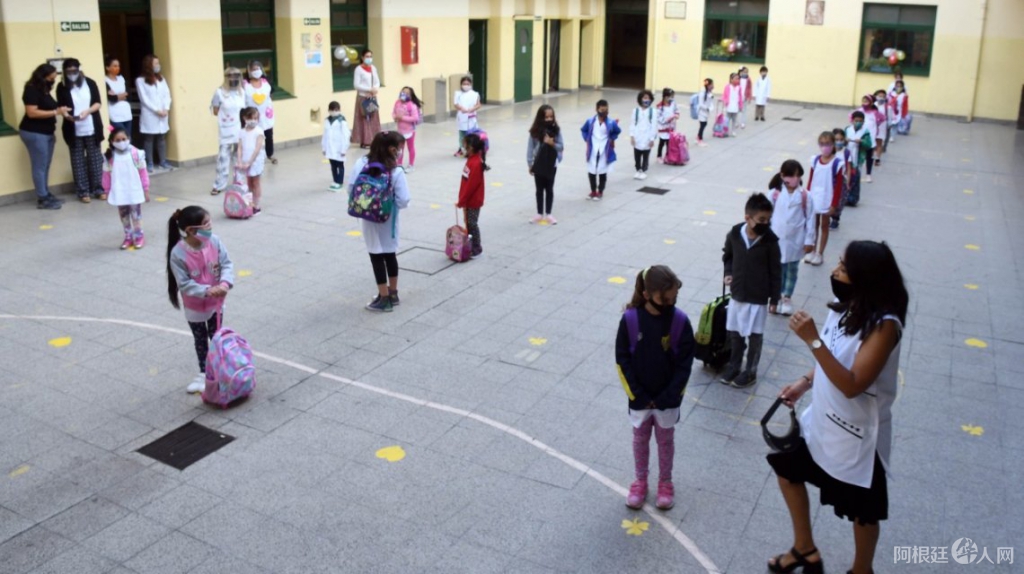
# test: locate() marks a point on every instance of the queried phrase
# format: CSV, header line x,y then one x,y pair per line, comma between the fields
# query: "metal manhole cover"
x,y
654,190
793,119
186,445
424,260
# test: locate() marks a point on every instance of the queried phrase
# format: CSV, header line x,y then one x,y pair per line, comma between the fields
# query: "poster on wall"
x,y
815,13
314,59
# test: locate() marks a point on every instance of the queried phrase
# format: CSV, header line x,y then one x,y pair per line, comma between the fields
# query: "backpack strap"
x,y
679,320
632,328
803,201
775,195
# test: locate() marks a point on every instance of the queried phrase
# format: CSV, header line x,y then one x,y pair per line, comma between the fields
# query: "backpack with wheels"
x,y
371,197
230,373
711,337
721,128
678,149
238,199
458,244
695,106
903,127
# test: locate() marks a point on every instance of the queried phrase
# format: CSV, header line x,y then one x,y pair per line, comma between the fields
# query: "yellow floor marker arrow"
x,y
244,273
161,199
972,247
635,527
538,341
60,342
971,286
391,453
972,430
617,280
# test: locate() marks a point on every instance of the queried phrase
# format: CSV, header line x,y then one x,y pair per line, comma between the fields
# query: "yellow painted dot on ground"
x,y
972,247
496,184
391,453
741,190
768,168
972,430
446,133
354,233
60,342
976,343
538,341
971,286
19,471
543,222
160,199
153,371
325,160
965,160
617,280
45,227
244,273
635,527
435,206
969,191
970,217
710,212
669,241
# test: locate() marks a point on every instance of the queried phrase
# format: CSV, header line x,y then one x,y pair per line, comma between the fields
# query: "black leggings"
x,y
662,144
871,160
268,142
202,333
700,133
642,157
385,266
545,192
597,181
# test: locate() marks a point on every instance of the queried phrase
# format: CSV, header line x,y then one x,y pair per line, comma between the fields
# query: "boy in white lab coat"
x,y
762,90
643,129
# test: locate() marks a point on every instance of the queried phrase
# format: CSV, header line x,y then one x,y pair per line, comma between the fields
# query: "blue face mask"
x,y
404,97
204,233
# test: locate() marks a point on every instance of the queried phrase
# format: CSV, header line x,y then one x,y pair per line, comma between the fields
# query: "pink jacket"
x,y
406,116
196,270
731,92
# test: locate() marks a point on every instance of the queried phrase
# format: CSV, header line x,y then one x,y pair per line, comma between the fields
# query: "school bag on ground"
x,y
371,197
238,199
675,331
720,129
458,244
711,337
230,373
903,127
678,149
695,106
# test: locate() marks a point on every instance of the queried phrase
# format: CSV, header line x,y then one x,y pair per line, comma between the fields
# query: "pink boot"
x,y
637,494
666,495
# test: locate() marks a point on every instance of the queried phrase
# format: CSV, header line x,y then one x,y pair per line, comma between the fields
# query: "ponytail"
x,y
654,279
181,219
776,182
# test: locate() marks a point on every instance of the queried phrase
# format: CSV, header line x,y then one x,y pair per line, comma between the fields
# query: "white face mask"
x,y
156,68
121,145
466,88
368,60
249,124
334,114
256,74
72,78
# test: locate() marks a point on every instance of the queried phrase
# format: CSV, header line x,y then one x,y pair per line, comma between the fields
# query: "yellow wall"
x,y
1001,73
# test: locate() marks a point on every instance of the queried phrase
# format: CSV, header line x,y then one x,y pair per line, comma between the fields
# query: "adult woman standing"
x,y
367,116
155,97
82,130
257,95
228,101
37,130
118,108
847,430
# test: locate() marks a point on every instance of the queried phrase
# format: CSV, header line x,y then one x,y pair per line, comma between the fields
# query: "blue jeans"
x,y
126,126
40,154
789,273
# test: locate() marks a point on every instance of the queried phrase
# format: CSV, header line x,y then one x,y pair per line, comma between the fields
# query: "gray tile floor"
x,y
495,377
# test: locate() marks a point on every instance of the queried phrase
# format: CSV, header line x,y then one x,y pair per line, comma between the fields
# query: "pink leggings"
x,y
666,439
410,144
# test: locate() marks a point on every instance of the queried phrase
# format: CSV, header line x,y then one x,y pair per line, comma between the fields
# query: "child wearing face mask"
x,y
543,153
746,88
793,224
407,116
900,104
467,102
654,353
705,108
199,267
884,118
126,182
753,272
668,114
732,99
844,153
871,118
251,156
642,132
471,189
825,184
257,95
762,91
859,142
600,133
335,143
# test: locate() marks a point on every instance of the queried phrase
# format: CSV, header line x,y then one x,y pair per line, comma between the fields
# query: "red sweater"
x,y
471,192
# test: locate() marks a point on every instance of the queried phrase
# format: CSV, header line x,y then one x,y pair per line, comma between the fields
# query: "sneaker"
x,y
551,219
334,187
394,298
539,218
878,162
744,380
643,175
600,196
732,135
126,243
817,260
834,224
809,257
637,494
637,174
85,199
743,126
666,495
50,203
256,211
166,166
197,385
410,169
702,143
140,240
458,153
592,196
730,373
785,308
851,204
100,196
867,178
380,304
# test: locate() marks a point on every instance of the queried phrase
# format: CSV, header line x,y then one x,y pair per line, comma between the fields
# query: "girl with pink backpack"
x,y
199,267
126,183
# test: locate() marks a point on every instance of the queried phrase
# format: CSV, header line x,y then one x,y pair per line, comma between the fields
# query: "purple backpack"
x,y
679,320
230,373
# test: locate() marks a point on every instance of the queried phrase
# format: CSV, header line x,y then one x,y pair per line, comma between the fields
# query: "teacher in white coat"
x,y
155,97
367,115
227,103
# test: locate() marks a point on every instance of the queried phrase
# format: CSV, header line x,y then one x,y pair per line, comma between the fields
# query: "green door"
x,y
524,61
478,56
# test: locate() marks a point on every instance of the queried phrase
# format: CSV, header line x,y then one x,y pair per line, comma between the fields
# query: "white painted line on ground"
x,y
615,487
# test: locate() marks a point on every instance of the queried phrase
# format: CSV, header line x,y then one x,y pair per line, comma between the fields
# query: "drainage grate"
x,y
653,190
424,260
793,119
185,445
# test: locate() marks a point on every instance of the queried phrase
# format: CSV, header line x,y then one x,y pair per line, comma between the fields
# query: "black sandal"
x,y
801,562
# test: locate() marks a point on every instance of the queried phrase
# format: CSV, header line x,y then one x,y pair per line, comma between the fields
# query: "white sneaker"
x,y
818,259
785,308
410,169
637,175
334,187
809,258
643,175
197,385
868,179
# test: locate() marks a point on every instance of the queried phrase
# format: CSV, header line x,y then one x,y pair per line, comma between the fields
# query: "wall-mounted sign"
x,y
75,27
311,21
675,10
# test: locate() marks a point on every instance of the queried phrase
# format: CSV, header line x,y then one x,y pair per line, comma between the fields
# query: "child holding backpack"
x,y
642,132
825,184
471,190
668,114
600,133
793,224
251,155
126,182
379,176
335,144
753,271
199,267
543,153
654,353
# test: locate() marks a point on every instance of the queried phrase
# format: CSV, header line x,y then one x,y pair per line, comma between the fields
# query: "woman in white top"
x,y
155,97
82,130
257,95
367,115
118,108
847,429
228,101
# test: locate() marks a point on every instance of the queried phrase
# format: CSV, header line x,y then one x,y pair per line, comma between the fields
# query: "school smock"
x,y
667,116
732,97
600,137
154,98
706,106
762,90
471,190
643,127
229,104
466,120
259,98
825,183
653,372
247,141
793,222
195,271
383,237
843,434
859,142
118,110
125,178
335,141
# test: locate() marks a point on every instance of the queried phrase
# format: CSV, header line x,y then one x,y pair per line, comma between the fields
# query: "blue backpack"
x,y
695,106
372,197
679,321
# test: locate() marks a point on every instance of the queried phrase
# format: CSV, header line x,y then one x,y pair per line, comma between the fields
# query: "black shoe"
x,y
394,299
744,380
49,203
834,224
380,304
851,204
801,562
730,373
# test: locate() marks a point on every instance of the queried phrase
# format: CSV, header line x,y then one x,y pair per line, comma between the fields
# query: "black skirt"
x,y
855,503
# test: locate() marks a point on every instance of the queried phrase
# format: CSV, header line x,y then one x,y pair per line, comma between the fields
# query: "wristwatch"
x,y
815,344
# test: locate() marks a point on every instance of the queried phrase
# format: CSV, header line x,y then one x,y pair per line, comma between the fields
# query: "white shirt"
x,y
154,98
125,179
762,90
364,81
119,111
735,98
82,98
843,434
469,100
382,237
335,141
259,98
642,127
229,106
666,122
707,104
793,222
823,183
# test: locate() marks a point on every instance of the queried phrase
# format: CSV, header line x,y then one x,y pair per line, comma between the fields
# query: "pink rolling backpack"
x,y
238,199
230,373
678,149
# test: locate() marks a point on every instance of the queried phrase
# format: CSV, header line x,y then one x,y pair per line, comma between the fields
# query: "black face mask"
x,y
761,228
602,115
842,291
662,308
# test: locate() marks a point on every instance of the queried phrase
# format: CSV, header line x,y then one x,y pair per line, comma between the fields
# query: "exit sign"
x,y
75,27
311,21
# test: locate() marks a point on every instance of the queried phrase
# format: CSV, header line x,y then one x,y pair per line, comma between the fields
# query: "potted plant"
x,y
717,53
880,65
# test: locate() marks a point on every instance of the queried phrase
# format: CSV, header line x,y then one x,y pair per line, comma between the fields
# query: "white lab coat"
x,y
153,98
383,237
335,142
643,127
762,90
793,223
